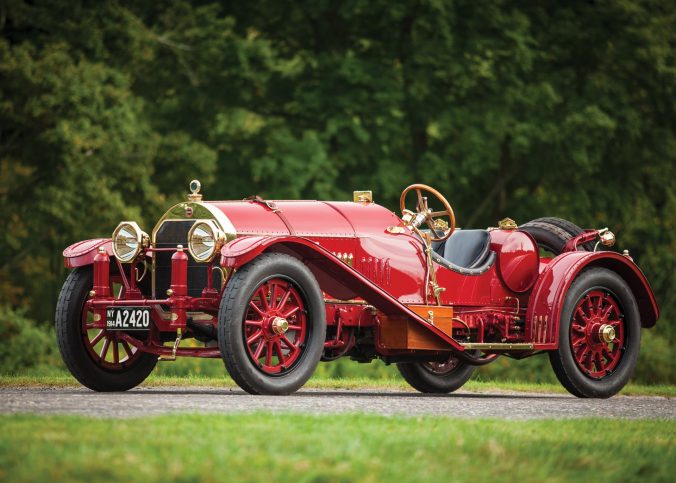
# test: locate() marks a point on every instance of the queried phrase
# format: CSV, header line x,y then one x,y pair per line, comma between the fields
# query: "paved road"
x,y
154,400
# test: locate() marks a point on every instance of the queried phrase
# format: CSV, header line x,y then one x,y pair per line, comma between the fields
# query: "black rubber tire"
x,y
425,381
552,233
72,347
233,309
562,360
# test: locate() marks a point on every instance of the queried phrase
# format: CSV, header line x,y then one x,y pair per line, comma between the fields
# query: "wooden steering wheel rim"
x,y
419,188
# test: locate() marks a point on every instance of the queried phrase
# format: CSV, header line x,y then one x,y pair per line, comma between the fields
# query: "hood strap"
x,y
273,207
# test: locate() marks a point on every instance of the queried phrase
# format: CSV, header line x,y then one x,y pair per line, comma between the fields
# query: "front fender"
x,y
548,295
333,275
241,251
83,252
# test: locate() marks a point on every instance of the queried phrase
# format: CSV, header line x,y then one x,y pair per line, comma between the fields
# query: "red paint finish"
x,y
155,347
518,260
516,299
326,266
594,356
82,253
179,287
272,349
548,294
308,218
102,274
395,263
179,274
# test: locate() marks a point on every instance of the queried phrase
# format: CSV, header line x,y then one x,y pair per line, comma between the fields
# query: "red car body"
x,y
374,271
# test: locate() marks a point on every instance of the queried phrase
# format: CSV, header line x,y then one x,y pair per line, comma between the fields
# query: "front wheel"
x,y
599,335
272,325
436,377
97,358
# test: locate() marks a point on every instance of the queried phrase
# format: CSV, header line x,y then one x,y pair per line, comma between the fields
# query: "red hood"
x,y
306,218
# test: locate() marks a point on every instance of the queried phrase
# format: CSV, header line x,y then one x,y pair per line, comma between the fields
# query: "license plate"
x,y
128,318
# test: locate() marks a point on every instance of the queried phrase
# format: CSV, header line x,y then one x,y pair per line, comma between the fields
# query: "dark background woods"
x,y
510,108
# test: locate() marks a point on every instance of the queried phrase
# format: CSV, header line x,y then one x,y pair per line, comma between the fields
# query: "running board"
x,y
497,346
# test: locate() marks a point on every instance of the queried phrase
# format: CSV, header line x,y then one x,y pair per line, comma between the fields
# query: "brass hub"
x,y
607,333
280,325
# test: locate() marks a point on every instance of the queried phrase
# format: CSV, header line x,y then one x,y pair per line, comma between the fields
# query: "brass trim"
x,y
345,302
607,238
195,187
223,272
395,230
219,239
496,346
346,258
607,333
141,238
507,224
279,325
362,196
143,275
200,211
172,357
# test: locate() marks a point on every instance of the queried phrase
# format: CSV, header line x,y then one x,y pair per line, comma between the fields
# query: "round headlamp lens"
x,y
127,241
204,241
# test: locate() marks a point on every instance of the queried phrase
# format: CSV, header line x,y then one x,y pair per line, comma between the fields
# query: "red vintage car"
x,y
273,287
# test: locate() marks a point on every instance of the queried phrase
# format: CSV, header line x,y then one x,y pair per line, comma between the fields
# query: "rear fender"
x,y
334,276
549,293
83,252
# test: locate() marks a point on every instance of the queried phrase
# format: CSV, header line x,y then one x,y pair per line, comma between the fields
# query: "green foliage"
x,y
24,346
108,109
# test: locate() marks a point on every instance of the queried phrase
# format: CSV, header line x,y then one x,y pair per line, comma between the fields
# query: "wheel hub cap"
x,y
607,333
279,325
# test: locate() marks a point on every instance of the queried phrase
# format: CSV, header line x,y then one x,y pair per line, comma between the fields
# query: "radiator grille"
x,y
170,235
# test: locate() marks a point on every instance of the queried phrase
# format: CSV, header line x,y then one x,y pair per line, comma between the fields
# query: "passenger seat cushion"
x,y
467,248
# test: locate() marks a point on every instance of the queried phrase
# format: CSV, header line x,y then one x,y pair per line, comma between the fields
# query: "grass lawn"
x,y
63,379
291,447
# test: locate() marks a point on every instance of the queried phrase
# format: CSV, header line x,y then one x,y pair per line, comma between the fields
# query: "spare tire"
x,y
552,234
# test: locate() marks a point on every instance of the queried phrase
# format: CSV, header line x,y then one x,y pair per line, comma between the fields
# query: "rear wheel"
x,y
436,377
272,325
599,335
97,358
551,234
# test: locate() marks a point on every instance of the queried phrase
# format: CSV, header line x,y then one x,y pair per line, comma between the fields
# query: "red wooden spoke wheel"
x,y
597,333
105,348
94,356
272,325
436,376
443,367
275,327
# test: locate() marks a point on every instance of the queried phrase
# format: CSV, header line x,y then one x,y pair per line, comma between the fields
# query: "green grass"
x,y
292,447
63,379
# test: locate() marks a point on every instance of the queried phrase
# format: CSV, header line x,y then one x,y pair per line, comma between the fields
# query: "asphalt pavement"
x,y
163,400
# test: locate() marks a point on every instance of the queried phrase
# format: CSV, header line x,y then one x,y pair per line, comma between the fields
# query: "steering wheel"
x,y
424,214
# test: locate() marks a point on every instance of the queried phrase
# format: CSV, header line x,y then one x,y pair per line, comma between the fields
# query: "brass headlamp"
x,y
204,240
128,240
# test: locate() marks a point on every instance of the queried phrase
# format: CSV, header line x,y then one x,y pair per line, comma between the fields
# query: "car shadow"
x,y
338,393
